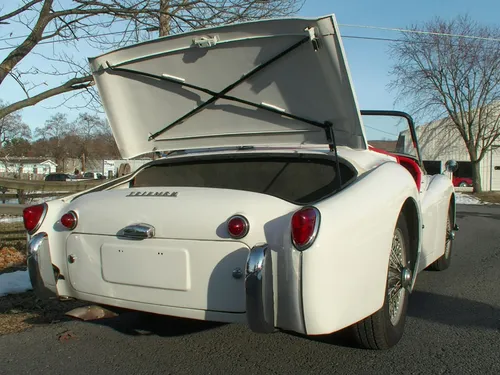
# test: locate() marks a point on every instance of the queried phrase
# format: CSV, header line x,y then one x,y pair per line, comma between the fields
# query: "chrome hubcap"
x,y
399,277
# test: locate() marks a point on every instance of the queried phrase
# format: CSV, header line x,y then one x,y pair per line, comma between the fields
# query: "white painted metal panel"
x,y
149,266
205,271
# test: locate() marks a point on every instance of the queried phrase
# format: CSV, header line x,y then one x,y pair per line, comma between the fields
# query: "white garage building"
x,y
439,143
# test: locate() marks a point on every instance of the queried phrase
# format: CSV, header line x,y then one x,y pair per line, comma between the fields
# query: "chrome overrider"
x,y
40,266
259,289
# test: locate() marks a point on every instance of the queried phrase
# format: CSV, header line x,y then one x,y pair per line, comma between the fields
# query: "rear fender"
x,y
344,273
56,239
436,203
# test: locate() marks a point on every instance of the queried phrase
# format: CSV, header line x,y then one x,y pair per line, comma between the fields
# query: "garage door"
x,y
495,173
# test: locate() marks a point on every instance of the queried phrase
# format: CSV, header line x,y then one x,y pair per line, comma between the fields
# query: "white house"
x,y
30,166
112,168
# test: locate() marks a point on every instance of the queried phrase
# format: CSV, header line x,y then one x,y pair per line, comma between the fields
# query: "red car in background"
x,y
462,181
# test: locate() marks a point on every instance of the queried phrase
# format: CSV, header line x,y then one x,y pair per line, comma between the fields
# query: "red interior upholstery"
x,y
410,164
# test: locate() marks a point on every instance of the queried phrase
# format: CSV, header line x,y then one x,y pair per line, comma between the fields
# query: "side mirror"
x,y
451,166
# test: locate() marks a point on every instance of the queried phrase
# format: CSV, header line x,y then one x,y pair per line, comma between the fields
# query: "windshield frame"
x,y
411,126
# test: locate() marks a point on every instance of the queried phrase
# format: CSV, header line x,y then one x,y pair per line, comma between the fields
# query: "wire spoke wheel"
x,y
449,238
385,327
396,290
444,261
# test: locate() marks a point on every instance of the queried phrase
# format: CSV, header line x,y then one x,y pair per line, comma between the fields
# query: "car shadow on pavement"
x,y
146,324
453,311
342,338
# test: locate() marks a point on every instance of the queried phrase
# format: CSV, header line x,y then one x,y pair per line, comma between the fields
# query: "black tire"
x,y
376,331
463,184
444,261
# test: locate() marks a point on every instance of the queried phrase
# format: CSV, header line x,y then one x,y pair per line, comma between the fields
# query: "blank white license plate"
x,y
148,266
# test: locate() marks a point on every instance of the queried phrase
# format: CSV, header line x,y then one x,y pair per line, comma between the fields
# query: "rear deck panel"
x,y
177,273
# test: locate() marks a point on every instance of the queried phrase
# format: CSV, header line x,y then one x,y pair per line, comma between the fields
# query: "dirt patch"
x,y
13,236
19,312
12,247
488,196
11,260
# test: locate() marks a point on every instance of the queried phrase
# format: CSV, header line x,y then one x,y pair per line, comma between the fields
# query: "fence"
x,y
22,176
12,209
26,190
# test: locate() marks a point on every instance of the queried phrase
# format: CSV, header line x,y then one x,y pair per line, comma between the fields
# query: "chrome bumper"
x,y
259,290
40,266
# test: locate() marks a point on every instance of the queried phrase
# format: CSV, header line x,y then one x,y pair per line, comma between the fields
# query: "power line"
x,y
375,38
80,37
342,25
423,32
146,29
381,131
102,24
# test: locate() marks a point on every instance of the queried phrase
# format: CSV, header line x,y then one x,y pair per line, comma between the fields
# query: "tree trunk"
x,y
476,177
83,162
21,198
164,28
60,165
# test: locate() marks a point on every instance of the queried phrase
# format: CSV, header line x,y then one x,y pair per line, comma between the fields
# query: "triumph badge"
x,y
172,194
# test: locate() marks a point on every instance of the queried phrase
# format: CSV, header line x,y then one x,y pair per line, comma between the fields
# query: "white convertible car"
x,y
267,204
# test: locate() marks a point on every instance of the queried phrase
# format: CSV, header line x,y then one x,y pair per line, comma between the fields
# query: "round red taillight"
x,y
33,217
237,226
69,220
305,225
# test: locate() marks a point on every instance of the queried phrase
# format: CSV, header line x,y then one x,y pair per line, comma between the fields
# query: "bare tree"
x,y
453,78
12,127
87,128
103,24
53,134
17,147
12,132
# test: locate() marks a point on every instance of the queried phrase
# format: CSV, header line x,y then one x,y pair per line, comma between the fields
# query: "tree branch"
x,y
29,43
72,84
18,11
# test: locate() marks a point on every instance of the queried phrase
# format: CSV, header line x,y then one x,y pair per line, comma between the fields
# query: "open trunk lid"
x,y
283,82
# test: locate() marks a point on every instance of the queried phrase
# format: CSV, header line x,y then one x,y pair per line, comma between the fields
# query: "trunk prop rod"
x,y
326,126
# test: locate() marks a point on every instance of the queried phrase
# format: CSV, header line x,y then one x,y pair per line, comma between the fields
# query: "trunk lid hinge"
x,y
313,38
204,41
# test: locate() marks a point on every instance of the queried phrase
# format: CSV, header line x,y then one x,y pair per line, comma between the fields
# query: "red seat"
x,y
410,164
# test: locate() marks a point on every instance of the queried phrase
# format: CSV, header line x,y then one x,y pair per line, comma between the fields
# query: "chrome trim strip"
x,y
259,290
138,231
35,249
315,231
